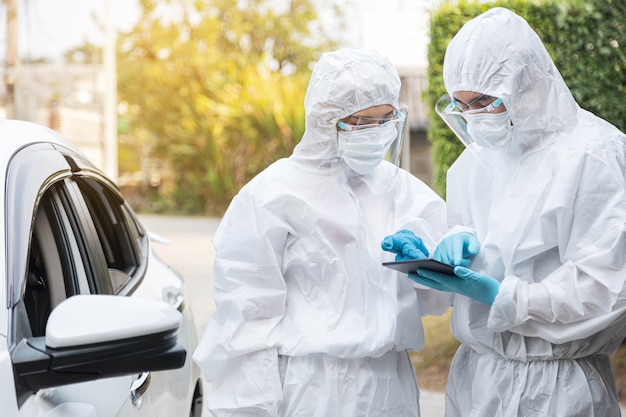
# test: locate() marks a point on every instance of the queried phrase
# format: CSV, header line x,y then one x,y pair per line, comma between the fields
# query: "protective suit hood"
x,y
343,82
499,54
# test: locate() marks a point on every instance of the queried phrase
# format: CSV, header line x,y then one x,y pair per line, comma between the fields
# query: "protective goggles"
x,y
352,123
481,104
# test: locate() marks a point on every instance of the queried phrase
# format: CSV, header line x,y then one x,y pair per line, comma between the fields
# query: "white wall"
x,y
396,28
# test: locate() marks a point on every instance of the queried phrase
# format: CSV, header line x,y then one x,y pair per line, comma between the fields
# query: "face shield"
x,y
395,150
446,109
456,116
484,122
362,142
488,134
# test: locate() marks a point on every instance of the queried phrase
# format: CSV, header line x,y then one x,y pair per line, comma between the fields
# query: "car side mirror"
x,y
90,337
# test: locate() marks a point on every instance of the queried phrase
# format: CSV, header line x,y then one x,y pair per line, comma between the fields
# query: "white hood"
x,y
331,96
499,54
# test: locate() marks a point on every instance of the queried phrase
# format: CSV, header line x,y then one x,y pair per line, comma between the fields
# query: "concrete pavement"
x,y
432,404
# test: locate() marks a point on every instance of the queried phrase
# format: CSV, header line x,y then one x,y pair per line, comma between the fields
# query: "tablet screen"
x,y
412,265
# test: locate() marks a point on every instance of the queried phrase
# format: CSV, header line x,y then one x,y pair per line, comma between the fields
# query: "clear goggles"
x,y
352,123
481,104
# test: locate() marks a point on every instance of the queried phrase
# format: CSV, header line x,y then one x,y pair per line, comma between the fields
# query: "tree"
x,y
216,89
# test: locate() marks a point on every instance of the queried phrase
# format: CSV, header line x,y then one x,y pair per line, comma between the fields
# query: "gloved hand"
x,y
457,249
406,245
474,285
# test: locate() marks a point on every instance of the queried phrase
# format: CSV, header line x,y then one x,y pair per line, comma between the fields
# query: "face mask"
x,y
491,131
364,149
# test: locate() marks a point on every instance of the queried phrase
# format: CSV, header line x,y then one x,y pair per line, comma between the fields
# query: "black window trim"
x,y
137,275
93,255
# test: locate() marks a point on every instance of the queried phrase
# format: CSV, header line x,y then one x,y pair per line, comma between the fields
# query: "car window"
x,y
122,239
84,238
56,260
30,172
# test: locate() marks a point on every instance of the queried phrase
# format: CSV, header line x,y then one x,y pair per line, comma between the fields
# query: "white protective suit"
x,y
551,219
308,322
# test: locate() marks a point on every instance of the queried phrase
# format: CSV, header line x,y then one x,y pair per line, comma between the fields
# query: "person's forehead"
x,y
374,112
466,96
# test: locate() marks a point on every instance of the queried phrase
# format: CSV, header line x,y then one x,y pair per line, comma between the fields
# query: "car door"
x,y
52,254
132,270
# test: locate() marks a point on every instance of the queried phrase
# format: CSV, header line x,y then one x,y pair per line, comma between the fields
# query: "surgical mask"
x,y
490,130
362,150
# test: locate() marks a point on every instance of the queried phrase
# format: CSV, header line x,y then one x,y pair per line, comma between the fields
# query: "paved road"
x,y
190,252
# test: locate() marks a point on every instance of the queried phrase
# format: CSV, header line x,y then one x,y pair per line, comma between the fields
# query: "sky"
x,y
47,28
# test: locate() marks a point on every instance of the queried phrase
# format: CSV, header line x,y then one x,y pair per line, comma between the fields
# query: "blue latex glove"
x,y
458,249
474,285
406,245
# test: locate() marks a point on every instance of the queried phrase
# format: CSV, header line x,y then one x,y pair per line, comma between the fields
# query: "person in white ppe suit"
x,y
539,198
307,321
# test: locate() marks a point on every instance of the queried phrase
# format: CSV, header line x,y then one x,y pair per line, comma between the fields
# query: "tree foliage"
x,y
216,88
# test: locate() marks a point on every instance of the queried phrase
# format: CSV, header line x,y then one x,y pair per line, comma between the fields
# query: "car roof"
x,y
16,134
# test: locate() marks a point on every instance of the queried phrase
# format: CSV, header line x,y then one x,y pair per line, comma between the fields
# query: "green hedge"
x,y
586,40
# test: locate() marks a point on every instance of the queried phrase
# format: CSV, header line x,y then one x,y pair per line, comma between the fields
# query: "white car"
x,y
92,323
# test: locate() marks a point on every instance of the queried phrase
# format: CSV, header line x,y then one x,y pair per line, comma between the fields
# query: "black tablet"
x,y
413,264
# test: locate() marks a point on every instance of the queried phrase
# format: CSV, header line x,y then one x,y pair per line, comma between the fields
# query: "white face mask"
x,y
364,149
491,131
